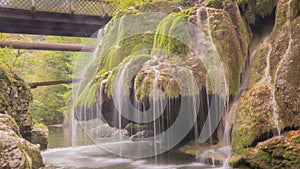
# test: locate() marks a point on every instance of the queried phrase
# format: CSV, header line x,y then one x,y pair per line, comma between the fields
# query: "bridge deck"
x,y
80,18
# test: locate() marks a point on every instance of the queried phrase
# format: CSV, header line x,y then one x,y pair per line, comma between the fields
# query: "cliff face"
x,y
15,124
258,45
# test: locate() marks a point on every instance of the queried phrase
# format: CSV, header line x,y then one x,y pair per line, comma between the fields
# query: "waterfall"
x,y
209,31
119,33
273,102
74,129
82,72
267,78
156,105
208,53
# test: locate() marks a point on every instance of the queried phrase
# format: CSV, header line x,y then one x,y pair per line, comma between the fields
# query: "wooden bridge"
x,y
78,18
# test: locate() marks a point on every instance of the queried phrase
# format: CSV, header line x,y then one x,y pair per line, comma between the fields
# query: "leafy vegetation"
x,y
50,104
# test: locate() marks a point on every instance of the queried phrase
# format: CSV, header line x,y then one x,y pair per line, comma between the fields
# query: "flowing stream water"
x,y
87,155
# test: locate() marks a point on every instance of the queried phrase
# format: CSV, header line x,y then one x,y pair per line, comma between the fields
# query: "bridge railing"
x,y
78,7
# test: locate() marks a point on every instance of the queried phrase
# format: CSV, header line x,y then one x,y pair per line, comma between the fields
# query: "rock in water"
x,y
40,136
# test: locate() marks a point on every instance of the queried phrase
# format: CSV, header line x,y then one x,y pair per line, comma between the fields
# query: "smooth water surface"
x,y
60,154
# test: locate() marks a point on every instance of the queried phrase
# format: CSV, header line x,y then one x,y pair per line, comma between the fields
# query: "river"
x,y
60,154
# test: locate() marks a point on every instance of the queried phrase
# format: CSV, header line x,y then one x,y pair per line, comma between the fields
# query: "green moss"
x,y
136,63
13,124
164,6
119,42
32,152
173,36
88,96
231,42
277,153
259,64
215,3
253,117
40,125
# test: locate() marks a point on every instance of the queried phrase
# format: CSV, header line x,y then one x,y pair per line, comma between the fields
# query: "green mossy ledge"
x,y
254,118
115,48
173,36
135,64
232,38
277,153
113,53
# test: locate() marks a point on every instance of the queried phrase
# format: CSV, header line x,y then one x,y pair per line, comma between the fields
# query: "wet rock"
x,y
40,136
278,152
103,130
14,100
255,115
142,135
15,125
16,152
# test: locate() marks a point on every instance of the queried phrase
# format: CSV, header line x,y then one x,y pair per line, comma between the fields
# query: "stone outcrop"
x,y
15,125
280,79
278,152
40,136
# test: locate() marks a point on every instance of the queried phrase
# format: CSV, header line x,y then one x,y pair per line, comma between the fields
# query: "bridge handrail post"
x,y
71,6
33,5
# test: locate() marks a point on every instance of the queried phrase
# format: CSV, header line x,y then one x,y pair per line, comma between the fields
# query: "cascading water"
x,y
267,79
155,101
273,102
119,31
119,89
87,61
212,59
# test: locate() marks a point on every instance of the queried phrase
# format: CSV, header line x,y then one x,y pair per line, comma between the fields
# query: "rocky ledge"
x,y
16,151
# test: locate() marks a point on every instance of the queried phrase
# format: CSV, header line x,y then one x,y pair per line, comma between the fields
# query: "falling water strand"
x,y
74,129
119,31
227,148
209,30
74,123
287,52
267,79
100,94
119,89
273,102
156,107
209,118
227,129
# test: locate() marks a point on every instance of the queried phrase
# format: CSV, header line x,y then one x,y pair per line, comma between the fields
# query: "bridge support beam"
x,y
50,83
47,46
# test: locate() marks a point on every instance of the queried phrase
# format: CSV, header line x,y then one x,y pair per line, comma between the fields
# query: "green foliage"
x,y
40,125
125,4
50,104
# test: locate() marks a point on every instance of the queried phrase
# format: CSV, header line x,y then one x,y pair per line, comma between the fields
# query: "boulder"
x,y
15,151
40,136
